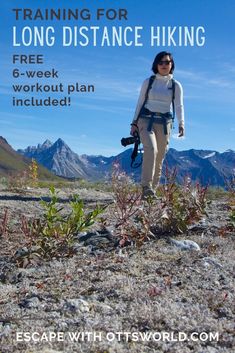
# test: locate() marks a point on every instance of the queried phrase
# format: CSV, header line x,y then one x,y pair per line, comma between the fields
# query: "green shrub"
x,y
52,235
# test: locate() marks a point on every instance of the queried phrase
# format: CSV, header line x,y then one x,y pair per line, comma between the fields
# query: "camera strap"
x,y
136,145
134,155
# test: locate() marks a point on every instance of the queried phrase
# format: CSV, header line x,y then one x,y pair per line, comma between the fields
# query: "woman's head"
x,y
163,63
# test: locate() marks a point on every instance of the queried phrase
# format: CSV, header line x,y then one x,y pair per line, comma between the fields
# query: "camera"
x,y
125,141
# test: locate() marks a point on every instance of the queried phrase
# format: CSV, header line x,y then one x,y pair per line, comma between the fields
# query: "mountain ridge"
x,y
207,166
11,162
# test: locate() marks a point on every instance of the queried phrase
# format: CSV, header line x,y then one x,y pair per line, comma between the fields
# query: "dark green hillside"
x,y
12,163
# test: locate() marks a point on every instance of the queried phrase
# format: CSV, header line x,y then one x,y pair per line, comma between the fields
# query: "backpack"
x,y
151,79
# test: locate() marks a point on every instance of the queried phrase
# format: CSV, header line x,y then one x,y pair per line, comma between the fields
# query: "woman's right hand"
x,y
134,128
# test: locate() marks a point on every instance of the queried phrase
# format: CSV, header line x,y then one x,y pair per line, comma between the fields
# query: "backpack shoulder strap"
x,y
173,97
150,83
151,79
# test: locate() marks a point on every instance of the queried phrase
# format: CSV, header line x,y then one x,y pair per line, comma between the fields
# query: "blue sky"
x,y
95,122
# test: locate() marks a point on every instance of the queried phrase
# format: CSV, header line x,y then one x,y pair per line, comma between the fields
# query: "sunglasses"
x,y
166,62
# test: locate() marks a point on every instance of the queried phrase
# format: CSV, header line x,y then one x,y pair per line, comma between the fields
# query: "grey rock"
x,y
211,261
5,330
222,313
14,278
76,305
62,326
47,350
21,252
30,303
185,244
97,239
77,247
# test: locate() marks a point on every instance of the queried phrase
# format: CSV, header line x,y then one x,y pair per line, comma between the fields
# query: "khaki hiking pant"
x,y
155,146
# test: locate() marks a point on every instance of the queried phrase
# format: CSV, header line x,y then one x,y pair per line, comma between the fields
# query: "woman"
x,y
159,97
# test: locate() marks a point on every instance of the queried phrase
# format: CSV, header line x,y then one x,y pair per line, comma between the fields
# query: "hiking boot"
x,y
147,192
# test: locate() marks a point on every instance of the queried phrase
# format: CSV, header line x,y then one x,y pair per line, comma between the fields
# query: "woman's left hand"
x,y
181,131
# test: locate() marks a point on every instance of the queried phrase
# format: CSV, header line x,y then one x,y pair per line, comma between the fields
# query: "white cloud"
x,y
104,108
205,79
19,116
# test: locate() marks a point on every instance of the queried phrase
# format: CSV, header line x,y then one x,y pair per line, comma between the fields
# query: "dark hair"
x,y
159,57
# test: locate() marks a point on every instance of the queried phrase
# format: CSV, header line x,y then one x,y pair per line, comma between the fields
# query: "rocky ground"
x,y
157,298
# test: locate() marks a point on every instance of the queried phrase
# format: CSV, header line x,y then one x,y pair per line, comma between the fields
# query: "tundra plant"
x,y
27,177
4,227
134,219
183,205
173,211
52,235
33,172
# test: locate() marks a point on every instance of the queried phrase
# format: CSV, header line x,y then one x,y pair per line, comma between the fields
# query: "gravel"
x,y
107,299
